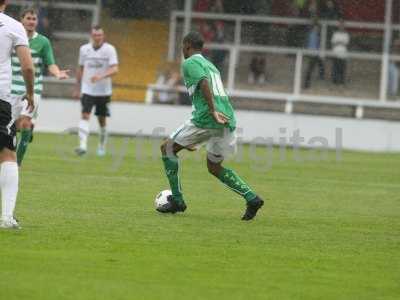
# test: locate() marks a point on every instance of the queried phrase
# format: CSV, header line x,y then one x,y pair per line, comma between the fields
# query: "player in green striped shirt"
x,y
42,56
212,123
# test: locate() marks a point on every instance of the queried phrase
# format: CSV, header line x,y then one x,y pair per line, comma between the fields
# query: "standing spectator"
x,y
218,55
313,9
202,6
257,68
208,34
296,33
340,42
330,10
313,43
393,82
217,6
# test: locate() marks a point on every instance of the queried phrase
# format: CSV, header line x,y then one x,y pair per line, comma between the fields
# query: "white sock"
x,y
103,137
83,133
9,188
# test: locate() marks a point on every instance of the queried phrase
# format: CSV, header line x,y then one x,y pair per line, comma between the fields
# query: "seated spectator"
x,y
169,77
313,43
257,69
340,42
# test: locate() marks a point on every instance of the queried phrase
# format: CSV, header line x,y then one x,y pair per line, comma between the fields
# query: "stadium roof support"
x,y
386,49
188,16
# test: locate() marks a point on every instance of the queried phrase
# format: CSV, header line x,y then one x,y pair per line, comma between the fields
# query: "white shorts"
x,y
20,107
219,142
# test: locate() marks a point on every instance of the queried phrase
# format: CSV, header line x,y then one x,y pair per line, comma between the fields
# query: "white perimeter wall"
x,y
131,119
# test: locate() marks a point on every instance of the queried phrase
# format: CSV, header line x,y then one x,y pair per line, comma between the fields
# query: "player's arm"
x,y
57,73
110,72
28,72
208,96
48,57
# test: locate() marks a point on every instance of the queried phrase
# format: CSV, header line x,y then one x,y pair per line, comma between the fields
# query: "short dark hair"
x,y
195,40
29,10
2,2
97,27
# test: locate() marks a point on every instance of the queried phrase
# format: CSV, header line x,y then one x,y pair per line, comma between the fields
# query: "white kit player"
x,y
98,62
12,37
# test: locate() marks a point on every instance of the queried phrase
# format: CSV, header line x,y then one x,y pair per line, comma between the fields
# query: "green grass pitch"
x,y
329,230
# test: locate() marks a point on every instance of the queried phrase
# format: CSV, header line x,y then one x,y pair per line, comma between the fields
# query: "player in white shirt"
x,y
98,62
13,37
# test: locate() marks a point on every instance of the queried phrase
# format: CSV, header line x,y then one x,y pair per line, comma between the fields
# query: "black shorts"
x,y
7,127
101,103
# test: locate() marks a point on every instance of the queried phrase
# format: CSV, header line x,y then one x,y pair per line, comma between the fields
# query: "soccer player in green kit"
x,y
213,123
42,55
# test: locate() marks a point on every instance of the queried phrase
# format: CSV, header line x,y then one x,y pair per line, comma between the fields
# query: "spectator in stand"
x,y
169,77
217,6
202,6
393,80
313,9
257,69
296,33
218,55
313,43
301,5
330,10
208,33
340,42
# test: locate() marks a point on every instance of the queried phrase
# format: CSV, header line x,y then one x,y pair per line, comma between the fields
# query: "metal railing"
x,y
236,47
289,100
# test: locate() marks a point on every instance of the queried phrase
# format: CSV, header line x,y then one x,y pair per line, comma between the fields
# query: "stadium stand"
x,y
142,48
143,45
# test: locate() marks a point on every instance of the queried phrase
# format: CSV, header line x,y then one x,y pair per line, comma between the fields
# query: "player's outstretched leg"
x,y
237,184
25,126
169,151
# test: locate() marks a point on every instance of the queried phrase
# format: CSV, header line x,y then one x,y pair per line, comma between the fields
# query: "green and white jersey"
x,y
195,69
42,56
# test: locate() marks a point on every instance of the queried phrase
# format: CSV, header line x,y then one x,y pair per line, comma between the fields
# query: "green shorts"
x,y
219,142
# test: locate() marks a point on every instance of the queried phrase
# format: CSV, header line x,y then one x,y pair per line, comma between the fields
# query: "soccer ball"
x,y
162,198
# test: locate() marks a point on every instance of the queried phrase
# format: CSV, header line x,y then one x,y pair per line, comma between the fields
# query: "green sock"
x,y
237,184
23,143
171,165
